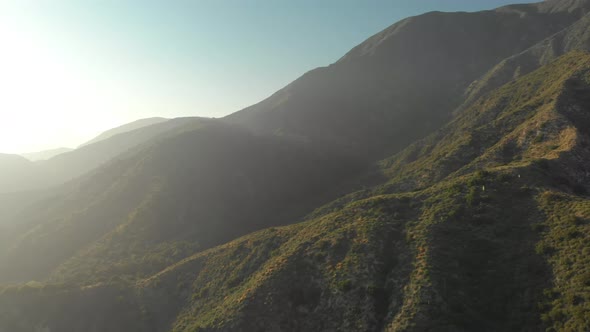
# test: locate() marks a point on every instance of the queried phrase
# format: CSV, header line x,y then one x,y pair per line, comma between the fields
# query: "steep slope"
x,y
495,239
404,82
46,154
510,126
141,212
575,37
125,128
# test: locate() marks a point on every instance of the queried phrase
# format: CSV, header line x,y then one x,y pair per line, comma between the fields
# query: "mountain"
x,y
381,193
46,154
125,128
487,242
404,82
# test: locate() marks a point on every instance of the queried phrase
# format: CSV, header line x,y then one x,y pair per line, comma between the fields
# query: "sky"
x,y
70,69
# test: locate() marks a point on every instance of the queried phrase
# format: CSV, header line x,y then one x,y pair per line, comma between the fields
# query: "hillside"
x,y
494,243
140,208
514,124
490,243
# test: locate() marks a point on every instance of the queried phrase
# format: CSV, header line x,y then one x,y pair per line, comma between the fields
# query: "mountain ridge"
x,y
413,73
45,154
64,167
137,124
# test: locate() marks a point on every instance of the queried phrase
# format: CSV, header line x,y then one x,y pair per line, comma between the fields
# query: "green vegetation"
x,y
565,245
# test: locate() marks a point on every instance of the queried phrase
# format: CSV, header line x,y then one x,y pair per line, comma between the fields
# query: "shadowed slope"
x,y
403,83
133,212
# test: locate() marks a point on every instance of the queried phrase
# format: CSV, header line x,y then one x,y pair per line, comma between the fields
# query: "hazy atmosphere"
x,y
71,69
294,166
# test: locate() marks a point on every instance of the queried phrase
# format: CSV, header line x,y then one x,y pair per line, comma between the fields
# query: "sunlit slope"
x,y
399,263
541,116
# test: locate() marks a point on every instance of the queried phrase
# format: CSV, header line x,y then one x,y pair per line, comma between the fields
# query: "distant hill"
x,y
67,166
12,162
125,128
44,155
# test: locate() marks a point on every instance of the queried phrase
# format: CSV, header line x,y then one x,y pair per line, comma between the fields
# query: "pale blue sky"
x,y
72,68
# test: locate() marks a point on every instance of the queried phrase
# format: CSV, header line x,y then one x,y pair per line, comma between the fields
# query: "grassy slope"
x,y
512,126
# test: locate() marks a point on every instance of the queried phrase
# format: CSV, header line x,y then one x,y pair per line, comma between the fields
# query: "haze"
x,y
387,174
71,69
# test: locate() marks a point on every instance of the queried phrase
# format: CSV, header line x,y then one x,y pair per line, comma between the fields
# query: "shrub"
x,y
543,249
344,285
579,189
538,138
471,196
543,164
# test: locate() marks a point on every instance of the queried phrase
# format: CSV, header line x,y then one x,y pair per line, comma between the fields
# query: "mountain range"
x,y
69,165
435,178
45,154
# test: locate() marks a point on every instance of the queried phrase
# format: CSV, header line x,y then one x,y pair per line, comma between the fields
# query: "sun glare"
x,y
44,93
